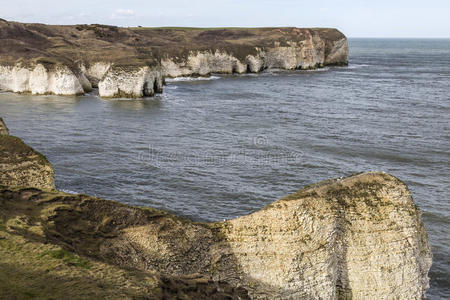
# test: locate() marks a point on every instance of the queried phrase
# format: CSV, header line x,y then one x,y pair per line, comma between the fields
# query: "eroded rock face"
x,y
22,166
96,72
203,63
38,80
3,129
355,238
130,83
308,54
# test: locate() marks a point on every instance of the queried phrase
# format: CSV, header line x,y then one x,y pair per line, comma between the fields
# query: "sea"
x,y
221,147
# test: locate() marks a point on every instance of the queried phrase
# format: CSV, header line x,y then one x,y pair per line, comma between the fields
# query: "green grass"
x,y
68,257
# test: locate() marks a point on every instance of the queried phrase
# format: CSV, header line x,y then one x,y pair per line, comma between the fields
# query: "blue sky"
x,y
376,18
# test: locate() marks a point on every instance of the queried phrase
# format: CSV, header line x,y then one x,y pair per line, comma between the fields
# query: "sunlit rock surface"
x,y
22,166
3,128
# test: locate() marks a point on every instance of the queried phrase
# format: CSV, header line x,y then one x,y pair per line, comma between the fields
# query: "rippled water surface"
x,y
220,148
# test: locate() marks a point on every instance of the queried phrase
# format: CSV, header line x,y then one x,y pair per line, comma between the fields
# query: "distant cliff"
x,y
132,62
359,237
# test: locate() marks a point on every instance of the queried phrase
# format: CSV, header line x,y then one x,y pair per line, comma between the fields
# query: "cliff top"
x,y
51,44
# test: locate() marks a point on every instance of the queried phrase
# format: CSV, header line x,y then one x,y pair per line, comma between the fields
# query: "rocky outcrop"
x,y
70,60
22,166
308,54
202,64
96,72
130,83
359,237
3,129
38,79
355,238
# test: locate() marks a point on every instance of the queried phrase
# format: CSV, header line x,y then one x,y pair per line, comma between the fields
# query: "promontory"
x,y
359,237
133,62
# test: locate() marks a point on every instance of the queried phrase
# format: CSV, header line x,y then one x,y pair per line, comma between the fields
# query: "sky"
x,y
375,18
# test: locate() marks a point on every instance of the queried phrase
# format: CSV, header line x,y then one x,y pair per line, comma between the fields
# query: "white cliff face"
x,y
112,82
6,79
339,52
137,82
303,55
96,72
142,82
307,54
85,83
357,238
39,80
203,63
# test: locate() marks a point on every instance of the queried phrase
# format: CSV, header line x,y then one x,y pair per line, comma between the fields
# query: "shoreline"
x,y
134,62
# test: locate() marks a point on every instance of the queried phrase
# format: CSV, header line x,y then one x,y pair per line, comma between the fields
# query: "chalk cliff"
x,y
299,49
130,83
132,62
359,237
39,80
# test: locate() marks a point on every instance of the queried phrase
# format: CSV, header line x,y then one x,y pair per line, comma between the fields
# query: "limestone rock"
x,y
307,54
96,72
313,51
3,128
203,63
22,166
130,83
38,80
337,54
355,238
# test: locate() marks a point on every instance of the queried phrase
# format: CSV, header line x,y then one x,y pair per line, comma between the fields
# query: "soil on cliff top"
x,y
51,44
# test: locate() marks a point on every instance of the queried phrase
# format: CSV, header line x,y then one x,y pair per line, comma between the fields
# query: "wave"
x,y
178,79
68,191
318,70
357,66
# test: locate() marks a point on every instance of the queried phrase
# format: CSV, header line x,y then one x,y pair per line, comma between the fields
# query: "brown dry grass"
x,y
136,45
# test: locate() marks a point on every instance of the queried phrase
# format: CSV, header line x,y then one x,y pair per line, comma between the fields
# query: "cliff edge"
x,y
133,62
22,166
3,129
359,237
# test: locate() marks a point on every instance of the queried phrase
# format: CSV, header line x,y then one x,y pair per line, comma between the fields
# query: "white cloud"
x,y
122,14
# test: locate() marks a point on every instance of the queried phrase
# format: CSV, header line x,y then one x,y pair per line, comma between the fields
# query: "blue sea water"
x,y
227,146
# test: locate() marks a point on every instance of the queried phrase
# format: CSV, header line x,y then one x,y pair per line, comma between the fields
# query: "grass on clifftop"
x,y
32,270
